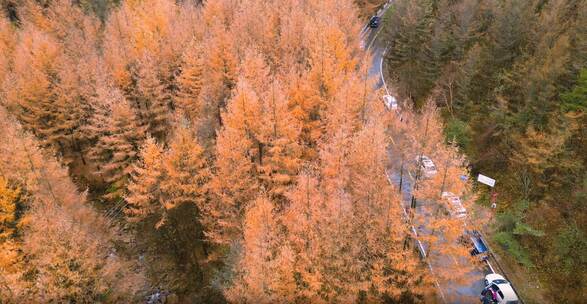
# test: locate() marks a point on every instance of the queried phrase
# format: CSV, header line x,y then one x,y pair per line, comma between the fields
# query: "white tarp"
x,y
486,180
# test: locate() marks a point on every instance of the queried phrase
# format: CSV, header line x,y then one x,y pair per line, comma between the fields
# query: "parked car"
x,y
473,240
455,207
374,22
390,102
498,290
427,166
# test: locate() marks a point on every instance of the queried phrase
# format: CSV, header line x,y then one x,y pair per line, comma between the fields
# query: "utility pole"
x,y
444,177
401,174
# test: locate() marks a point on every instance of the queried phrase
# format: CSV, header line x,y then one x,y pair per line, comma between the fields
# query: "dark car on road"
x,y
374,22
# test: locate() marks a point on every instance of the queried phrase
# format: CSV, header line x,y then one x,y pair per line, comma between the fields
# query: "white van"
x,y
455,206
497,288
427,166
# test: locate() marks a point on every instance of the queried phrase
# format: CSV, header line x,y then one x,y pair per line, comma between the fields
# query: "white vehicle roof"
x,y
504,286
427,164
456,205
390,102
494,276
508,292
424,159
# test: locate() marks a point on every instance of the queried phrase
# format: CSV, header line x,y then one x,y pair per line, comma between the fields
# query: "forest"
x,y
238,151
203,151
511,80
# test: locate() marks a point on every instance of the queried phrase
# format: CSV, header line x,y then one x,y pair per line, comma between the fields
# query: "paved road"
x,y
460,293
466,293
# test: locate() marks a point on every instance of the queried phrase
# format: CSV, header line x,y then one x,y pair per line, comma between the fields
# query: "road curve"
x,y
455,294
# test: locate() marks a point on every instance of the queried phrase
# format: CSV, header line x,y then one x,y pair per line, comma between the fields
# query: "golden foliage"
x,y
277,173
64,241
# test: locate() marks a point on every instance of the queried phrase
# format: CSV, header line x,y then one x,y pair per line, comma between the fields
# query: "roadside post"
x,y
493,199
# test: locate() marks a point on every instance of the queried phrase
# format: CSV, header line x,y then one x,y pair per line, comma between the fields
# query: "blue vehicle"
x,y
478,246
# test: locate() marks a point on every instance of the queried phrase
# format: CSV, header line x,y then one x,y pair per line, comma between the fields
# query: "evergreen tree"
x,y
411,57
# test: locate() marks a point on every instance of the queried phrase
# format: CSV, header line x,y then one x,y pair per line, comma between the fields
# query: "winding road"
x,y
464,293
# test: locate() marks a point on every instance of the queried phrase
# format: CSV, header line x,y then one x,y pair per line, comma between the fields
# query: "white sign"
x,y
486,180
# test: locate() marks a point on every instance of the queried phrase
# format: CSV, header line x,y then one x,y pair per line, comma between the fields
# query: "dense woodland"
x,y
511,78
231,150
367,8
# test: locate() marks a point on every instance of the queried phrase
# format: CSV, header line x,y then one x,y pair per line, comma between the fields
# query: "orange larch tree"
x,y
7,45
143,188
184,193
186,172
291,46
149,99
11,257
280,159
433,209
235,183
268,149
380,222
264,273
254,69
190,82
220,66
303,218
66,55
118,137
31,91
60,230
306,106
167,192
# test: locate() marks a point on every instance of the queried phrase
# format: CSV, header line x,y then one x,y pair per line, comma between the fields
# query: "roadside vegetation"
x,y
511,80
368,7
